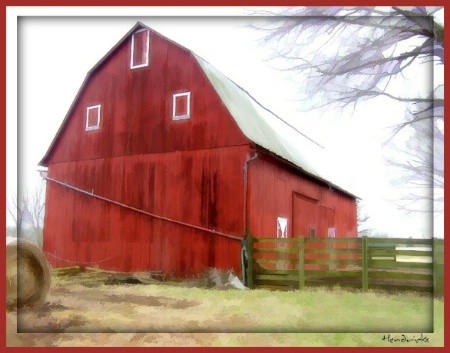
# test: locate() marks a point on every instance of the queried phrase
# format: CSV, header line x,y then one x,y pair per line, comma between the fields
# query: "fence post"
x,y
249,247
438,267
365,263
301,263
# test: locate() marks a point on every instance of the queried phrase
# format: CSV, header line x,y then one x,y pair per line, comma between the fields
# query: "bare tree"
x,y
342,56
421,165
14,210
351,54
27,212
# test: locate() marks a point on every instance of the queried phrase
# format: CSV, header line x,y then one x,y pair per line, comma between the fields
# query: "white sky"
x,y
55,54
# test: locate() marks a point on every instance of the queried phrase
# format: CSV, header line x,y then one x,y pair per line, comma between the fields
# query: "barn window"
x,y
282,227
181,106
140,43
93,114
312,232
332,232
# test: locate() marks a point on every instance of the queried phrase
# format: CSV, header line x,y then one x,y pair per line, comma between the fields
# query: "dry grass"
x,y
167,315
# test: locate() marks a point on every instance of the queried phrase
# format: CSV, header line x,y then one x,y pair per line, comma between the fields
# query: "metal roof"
x,y
268,130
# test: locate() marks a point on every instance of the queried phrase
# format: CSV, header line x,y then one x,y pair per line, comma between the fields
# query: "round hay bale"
x,y
27,274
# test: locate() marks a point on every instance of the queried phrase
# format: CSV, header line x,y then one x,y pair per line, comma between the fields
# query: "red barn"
x,y
163,163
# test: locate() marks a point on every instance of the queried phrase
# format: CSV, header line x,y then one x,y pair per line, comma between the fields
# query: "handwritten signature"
x,y
405,338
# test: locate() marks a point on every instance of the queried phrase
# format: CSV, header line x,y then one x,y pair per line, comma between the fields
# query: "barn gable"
x,y
159,103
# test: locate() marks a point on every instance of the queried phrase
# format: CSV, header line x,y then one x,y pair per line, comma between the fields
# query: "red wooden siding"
x,y
94,232
203,188
276,191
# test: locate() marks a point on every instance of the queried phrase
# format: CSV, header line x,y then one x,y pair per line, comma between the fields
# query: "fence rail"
x,y
364,263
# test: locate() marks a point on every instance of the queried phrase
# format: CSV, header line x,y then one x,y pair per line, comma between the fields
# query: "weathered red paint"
x,y
189,170
276,189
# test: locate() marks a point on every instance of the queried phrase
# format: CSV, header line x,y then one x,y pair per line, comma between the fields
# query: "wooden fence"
x,y
364,263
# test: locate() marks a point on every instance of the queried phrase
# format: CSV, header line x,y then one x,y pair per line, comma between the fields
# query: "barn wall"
x,y
279,191
98,233
203,188
136,112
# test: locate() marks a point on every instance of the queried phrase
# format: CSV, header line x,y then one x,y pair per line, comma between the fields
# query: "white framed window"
x,y
93,115
140,45
181,106
282,224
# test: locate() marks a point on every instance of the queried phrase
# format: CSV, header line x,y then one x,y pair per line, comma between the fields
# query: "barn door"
x,y
305,216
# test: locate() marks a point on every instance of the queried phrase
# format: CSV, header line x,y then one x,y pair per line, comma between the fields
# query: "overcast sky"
x,y
55,53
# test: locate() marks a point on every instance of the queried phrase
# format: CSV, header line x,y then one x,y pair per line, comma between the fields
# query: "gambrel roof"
x,y
258,124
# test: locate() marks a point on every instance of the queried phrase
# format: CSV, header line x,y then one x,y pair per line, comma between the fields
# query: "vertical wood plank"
x,y
365,257
301,263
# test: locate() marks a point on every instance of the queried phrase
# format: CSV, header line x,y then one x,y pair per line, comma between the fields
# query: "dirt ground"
x,y
91,314
111,316
81,314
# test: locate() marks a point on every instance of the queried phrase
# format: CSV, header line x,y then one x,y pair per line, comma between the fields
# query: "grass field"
x,y
167,315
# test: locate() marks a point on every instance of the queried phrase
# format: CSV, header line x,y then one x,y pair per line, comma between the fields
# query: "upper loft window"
x,y
93,115
140,43
181,106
